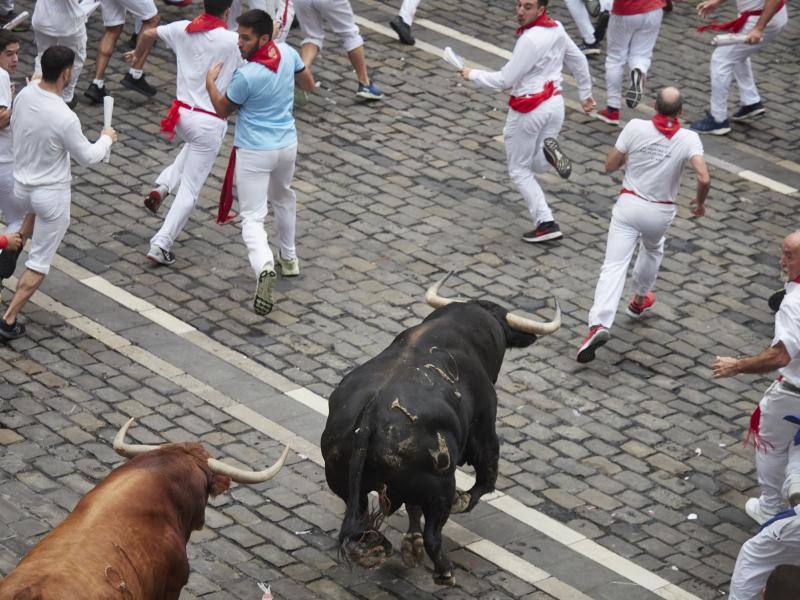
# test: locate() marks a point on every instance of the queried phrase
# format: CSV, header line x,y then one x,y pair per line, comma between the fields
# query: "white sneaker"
x,y
157,255
289,268
754,510
263,301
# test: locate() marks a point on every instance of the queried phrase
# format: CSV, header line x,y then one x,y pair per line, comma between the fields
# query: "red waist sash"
x,y
173,115
632,193
737,24
525,104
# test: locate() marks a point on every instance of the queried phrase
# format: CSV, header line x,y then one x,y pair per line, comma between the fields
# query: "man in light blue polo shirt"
x,y
265,147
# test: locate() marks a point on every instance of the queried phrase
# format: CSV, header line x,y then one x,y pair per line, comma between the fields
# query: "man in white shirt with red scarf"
x,y
198,45
654,153
536,108
762,21
772,434
265,148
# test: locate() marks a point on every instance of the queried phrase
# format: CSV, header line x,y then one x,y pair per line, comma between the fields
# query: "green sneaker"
x,y
263,300
289,268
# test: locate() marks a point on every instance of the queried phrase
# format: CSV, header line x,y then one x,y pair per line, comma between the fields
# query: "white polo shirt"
x,y
655,162
6,138
196,53
58,18
787,330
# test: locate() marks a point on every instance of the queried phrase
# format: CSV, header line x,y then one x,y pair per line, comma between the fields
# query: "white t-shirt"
x,y
6,137
655,162
539,56
58,18
787,330
47,133
196,53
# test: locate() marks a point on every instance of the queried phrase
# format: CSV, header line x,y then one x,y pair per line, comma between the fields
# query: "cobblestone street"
x,y
638,453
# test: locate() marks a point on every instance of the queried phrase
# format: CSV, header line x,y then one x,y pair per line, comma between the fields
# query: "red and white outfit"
x,y
536,107
46,135
733,61
281,11
62,23
644,210
632,34
198,45
340,18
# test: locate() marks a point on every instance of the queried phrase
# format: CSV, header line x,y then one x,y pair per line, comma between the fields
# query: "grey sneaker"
x,y
263,300
159,256
289,268
554,155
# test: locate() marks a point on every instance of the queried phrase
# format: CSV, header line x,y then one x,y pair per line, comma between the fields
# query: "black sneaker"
x,y
600,26
96,94
138,85
589,49
554,155
547,230
72,103
749,112
8,262
634,95
11,332
402,30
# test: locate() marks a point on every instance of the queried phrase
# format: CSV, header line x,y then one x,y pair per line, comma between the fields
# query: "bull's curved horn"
x,y
535,327
244,476
129,450
432,296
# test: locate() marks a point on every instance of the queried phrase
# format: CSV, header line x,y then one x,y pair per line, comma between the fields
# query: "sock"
x,y
136,73
99,83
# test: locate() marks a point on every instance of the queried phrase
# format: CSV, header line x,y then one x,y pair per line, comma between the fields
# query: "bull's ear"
x,y
219,484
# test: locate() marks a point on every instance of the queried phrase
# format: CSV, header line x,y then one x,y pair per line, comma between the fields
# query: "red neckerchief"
x,y
205,22
541,21
669,126
796,279
268,55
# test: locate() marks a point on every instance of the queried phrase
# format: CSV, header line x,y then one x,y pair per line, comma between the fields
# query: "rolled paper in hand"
x,y
452,58
108,112
726,39
16,20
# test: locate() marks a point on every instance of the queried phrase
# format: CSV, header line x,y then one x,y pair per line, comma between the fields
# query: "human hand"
x,y
213,73
110,132
698,208
754,36
130,57
588,105
15,241
725,366
707,7
465,72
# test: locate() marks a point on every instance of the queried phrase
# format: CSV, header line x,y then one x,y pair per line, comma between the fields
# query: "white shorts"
x,y
339,16
114,10
51,206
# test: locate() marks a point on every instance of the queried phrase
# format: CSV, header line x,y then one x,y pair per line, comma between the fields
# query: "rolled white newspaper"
x,y
726,39
16,20
452,58
108,112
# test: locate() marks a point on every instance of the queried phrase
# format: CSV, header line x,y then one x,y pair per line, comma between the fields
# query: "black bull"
x,y
401,423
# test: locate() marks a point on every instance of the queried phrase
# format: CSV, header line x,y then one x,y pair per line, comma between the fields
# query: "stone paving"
x,y
389,197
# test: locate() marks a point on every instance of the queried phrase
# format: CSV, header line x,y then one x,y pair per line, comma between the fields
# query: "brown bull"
x,y
126,538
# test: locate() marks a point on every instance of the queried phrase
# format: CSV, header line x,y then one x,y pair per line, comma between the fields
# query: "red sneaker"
x,y
637,309
609,115
598,335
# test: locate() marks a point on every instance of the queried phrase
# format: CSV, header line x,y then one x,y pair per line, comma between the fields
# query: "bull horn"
x,y
535,327
432,296
244,476
129,450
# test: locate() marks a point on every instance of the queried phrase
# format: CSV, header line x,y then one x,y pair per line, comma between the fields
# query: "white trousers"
x,y
631,39
51,206
338,14
76,43
775,545
632,220
733,61
579,14
12,209
274,8
408,9
523,136
264,177
779,462
202,135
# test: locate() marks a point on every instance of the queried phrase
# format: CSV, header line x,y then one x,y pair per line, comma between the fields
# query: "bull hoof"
x,y
447,578
413,550
371,552
460,502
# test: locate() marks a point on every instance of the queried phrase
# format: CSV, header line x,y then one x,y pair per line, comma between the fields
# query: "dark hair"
x,y
216,7
7,38
668,109
542,3
257,20
55,60
783,583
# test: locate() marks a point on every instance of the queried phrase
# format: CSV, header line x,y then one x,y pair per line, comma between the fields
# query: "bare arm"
x,y
5,117
144,44
769,360
614,160
222,106
756,34
703,184
305,80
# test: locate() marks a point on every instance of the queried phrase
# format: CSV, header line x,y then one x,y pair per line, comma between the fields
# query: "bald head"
x,y
790,256
669,102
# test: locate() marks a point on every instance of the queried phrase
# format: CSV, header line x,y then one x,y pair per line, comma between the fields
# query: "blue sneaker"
x,y
709,125
369,92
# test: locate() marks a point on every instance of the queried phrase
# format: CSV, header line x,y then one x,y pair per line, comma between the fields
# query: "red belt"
x,y
738,23
173,115
525,104
632,193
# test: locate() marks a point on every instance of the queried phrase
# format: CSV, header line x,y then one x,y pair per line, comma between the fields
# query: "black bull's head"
x,y
401,423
